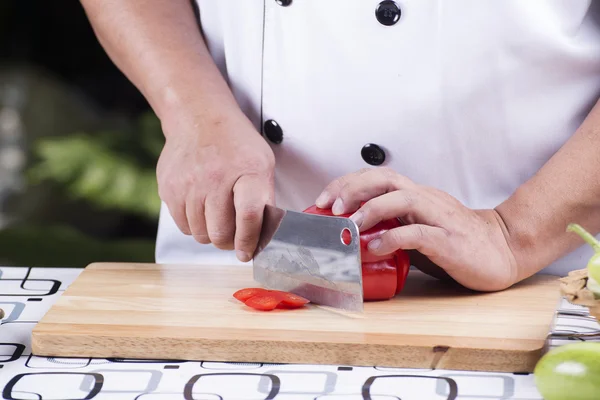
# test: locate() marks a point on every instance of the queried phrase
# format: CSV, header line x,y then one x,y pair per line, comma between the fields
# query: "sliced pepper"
x,y
245,294
290,299
264,301
267,300
384,276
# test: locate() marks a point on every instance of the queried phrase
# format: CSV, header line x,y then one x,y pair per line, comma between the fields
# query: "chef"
x,y
476,123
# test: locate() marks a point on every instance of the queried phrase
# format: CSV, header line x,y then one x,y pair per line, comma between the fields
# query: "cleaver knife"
x,y
304,254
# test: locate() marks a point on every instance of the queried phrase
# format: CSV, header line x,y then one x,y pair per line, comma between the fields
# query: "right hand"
x,y
216,177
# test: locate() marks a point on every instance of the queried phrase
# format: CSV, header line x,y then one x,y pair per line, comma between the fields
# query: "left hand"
x,y
471,246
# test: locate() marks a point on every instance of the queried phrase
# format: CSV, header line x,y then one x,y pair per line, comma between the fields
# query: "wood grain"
x,y
150,311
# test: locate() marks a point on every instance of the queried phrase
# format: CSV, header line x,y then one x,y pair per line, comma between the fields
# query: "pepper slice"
x,y
266,300
290,299
384,276
245,294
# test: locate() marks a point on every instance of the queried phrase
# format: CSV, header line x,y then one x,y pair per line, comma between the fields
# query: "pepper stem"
x,y
585,235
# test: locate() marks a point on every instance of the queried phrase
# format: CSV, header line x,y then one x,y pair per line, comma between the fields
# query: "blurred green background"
x,y
78,144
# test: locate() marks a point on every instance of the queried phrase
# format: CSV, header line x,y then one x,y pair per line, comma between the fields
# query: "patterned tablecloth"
x,y
27,293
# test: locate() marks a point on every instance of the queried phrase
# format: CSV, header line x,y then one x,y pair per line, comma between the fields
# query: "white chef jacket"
x,y
471,97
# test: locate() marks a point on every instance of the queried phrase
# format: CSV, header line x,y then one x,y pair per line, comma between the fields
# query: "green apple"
x,y
570,372
594,286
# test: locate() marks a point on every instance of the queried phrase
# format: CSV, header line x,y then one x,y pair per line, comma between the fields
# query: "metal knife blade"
x,y
304,254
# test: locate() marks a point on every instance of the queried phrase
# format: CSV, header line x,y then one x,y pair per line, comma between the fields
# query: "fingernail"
x,y
242,256
374,244
338,206
357,217
322,200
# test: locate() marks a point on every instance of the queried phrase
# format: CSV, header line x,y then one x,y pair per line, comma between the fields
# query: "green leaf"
x,y
92,170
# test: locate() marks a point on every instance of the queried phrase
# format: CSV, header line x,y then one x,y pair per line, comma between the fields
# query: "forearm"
x,y
566,189
158,46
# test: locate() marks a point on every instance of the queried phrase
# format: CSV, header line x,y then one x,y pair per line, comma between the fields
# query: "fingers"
x,y
428,240
331,191
219,213
196,221
230,219
250,194
345,194
411,205
179,215
366,186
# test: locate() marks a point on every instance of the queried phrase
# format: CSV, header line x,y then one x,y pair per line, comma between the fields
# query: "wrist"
x,y
180,101
498,233
193,89
205,113
535,238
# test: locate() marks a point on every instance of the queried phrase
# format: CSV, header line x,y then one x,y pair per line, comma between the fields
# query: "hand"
x,y
471,246
216,178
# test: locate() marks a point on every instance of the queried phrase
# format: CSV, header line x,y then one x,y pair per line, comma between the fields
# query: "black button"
x,y
283,3
387,12
373,154
273,131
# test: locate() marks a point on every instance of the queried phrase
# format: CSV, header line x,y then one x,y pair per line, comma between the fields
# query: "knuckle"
x,y
450,213
394,235
346,191
337,183
186,180
246,240
419,233
166,189
214,172
371,212
213,175
353,187
446,235
409,198
334,187
222,240
391,240
253,162
259,164
167,173
250,213
197,225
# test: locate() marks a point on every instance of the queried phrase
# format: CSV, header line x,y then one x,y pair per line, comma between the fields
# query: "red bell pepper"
x,y
267,300
383,276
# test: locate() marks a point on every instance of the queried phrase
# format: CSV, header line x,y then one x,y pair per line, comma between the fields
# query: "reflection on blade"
x,y
304,254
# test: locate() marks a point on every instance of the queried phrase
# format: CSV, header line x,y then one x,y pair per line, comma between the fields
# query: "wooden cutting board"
x,y
149,311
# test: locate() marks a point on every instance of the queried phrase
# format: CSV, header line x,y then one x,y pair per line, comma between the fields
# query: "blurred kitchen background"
x,y
78,144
